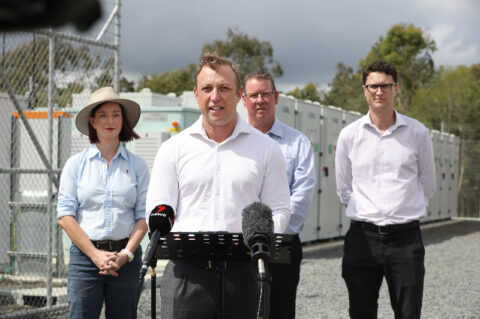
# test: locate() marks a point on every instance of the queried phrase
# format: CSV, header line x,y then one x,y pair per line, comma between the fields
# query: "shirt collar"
x,y
241,127
399,121
276,129
93,151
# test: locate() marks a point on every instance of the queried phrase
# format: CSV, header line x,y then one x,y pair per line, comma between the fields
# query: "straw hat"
x,y
103,95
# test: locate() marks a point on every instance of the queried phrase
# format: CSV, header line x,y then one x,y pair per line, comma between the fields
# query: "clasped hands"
x,y
110,262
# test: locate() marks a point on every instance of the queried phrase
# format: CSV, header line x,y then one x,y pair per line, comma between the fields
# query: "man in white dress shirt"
x,y
208,173
385,176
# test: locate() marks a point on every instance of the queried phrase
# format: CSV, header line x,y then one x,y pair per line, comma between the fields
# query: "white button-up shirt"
x,y
385,178
208,184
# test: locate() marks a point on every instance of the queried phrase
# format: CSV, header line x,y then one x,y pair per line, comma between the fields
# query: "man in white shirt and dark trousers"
x,y
385,175
208,173
260,98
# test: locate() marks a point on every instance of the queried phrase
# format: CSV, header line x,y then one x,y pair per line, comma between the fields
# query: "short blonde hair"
x,y
213,61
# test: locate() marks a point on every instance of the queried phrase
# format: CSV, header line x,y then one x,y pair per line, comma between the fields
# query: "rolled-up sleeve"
x,y
143,179
67,194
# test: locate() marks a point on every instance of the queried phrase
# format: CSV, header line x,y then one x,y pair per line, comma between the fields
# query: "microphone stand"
x,y
150,260
153,289
261,253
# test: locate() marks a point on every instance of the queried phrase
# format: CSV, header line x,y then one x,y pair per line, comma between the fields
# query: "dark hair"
x,y
261,75
380,66
213,61
127,133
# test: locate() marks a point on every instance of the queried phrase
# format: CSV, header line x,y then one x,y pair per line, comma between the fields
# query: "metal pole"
x,y
30,132
153,292
116,70
51,55
107,24
76,38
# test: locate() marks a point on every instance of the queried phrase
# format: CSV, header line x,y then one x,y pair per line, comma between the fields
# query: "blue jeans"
x,y
87,289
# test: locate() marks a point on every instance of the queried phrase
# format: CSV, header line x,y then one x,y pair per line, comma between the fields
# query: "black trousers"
x,y
285,278
369,256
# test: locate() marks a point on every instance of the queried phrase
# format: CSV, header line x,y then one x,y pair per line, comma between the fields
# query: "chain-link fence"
x,y
41,74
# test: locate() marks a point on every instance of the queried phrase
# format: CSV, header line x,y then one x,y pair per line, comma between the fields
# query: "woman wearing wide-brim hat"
x,y
101,207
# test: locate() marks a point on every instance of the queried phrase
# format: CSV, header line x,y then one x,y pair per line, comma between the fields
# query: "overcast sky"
x,y
309,37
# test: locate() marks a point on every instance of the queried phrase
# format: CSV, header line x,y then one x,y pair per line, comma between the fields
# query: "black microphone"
x,y
257,229
160,223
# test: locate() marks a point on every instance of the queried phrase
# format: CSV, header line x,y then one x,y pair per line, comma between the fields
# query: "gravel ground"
x,y
452,280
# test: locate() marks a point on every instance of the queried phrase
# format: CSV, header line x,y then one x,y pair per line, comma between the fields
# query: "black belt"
x,y
387,229
110,245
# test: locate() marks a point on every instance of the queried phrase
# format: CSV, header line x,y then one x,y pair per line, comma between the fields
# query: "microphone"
x,y
257,229
160,223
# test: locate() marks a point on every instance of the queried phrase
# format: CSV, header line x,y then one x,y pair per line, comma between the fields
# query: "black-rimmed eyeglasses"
x,y
386,87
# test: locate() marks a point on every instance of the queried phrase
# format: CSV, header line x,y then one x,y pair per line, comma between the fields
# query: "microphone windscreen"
x,y
162,218
256,219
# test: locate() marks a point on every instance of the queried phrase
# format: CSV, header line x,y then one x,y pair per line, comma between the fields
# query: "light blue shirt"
x,y
105,201
298,153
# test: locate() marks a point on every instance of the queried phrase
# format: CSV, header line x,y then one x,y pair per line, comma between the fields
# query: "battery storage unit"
x,y
8,143
29,214
156,125
453,177
307,120
443,178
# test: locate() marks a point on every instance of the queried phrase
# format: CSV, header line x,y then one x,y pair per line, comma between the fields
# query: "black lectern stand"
x,y
217,247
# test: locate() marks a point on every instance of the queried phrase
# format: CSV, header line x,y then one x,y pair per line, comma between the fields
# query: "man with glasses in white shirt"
x,y
385,175
208,173
260,98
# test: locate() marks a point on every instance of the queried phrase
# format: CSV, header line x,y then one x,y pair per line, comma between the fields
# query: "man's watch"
x,y
128,253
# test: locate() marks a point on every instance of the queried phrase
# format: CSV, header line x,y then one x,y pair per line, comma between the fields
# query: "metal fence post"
x,y
116,72
51,66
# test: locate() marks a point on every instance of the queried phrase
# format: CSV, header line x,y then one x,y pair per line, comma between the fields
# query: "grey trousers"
x,y
190,291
